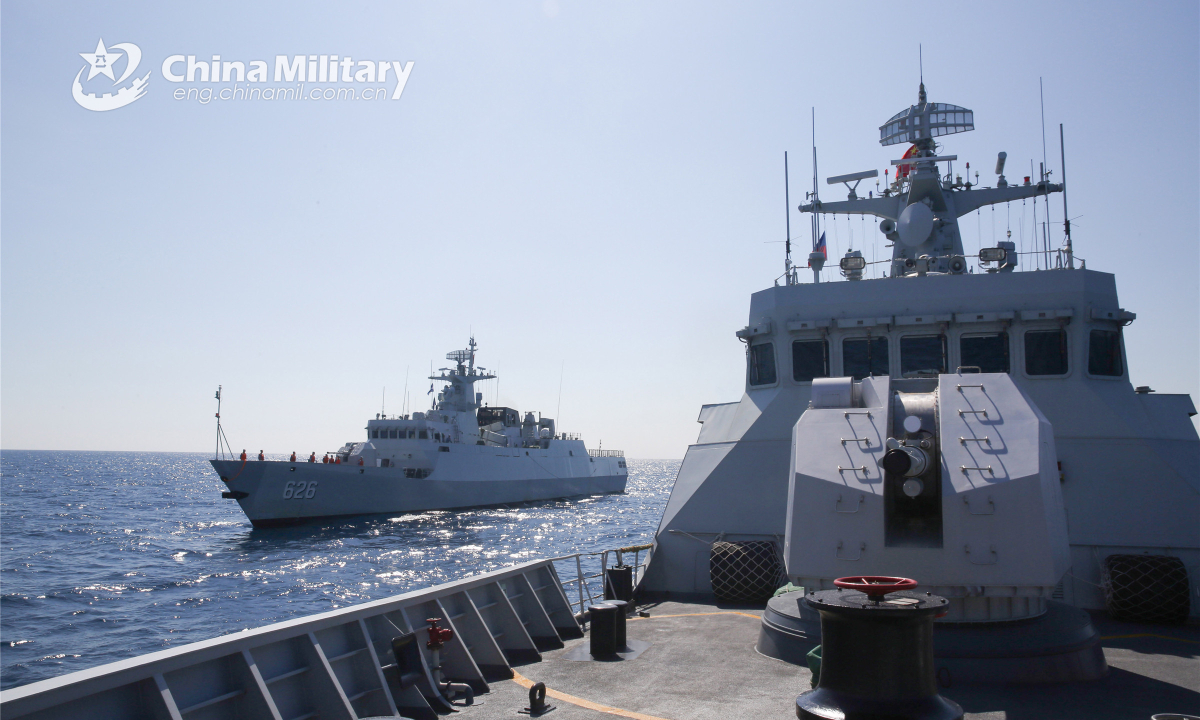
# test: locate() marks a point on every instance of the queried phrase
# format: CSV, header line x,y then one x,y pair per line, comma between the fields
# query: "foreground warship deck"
x,y
702,664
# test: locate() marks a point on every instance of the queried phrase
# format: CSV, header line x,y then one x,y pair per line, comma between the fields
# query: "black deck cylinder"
x,y
618,583
622,614
876,658
604,630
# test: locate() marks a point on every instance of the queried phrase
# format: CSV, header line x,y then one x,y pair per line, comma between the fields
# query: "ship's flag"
x,y
821,246
904,170
430,389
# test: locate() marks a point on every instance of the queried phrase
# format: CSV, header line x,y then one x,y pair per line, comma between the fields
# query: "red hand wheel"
x,y
875,586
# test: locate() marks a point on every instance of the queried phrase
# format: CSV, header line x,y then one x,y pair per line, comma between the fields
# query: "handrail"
x,y
579,583
606,453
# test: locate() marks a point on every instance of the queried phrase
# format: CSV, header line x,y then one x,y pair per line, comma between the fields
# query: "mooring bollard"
x,y
876,653
622,614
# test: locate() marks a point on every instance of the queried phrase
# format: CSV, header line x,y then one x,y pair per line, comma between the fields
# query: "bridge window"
x,y
762,364
989,353
393,433
810,359
1046,352
922,355
865,357
1104,353
375,433
423,435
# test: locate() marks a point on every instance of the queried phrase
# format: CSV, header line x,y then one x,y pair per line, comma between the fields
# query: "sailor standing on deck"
x,y
260,456
243,454
313,458
293,456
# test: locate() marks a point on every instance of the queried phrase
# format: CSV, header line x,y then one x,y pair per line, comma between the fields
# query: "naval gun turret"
x,y
921,207
952,479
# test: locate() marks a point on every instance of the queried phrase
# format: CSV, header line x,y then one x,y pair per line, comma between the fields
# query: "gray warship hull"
x,y
286,493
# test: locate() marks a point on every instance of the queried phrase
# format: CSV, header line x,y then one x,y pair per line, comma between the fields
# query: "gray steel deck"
x,y
702,664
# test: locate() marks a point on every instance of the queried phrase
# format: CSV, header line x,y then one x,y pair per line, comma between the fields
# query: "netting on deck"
x,y
1146,588
746,571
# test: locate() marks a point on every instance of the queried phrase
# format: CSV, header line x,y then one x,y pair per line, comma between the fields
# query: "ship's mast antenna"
x,y
404,407
217,452
1045,163
1033,245
816,225
383,403
221,433
787,243
1066,217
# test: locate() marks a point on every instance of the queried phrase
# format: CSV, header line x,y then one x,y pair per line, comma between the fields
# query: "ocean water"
x,y
105,556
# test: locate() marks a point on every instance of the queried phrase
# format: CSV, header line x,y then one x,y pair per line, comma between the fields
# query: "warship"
x,y
461,453
977,432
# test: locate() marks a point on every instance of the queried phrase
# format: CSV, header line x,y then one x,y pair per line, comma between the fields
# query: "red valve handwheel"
x,y
438,635
875,586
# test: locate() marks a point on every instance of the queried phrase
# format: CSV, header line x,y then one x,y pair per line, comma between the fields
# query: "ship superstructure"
x,y
460,453
1126,460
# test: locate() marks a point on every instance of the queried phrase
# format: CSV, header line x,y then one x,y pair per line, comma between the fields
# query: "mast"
x,y
929,246
1045,175
816,225
1066,217
217,452
787,243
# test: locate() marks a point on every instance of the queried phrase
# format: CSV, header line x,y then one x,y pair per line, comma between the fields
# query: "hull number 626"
x,y
299,490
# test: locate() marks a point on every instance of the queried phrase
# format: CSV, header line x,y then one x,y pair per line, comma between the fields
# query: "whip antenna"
x,y
1066,217
787,204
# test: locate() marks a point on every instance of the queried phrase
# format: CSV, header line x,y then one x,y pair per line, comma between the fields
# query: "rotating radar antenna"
x,y
463,357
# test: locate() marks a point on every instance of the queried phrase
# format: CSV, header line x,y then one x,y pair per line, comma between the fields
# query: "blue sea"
x,y
107,556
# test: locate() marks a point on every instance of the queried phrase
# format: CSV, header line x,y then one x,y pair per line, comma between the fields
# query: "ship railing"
x,y
588,568
606,453
570,436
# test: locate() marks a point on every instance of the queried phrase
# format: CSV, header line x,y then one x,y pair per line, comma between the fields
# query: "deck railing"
x,y
606,453
588,570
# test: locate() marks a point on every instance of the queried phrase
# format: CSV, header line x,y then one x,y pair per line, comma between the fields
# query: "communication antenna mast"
x,y
1045,175
787,243
1066,217
219,454
404,407
815,260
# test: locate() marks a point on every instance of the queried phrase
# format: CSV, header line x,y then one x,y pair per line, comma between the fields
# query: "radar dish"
x,y
916,222
924,121
459,356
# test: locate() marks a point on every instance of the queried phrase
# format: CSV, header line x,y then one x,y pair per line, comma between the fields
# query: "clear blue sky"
x,y
589,187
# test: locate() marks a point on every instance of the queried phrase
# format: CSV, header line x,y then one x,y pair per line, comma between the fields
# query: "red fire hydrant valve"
x,y
438,635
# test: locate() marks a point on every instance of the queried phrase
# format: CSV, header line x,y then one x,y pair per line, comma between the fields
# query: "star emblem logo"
x,y
101,61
